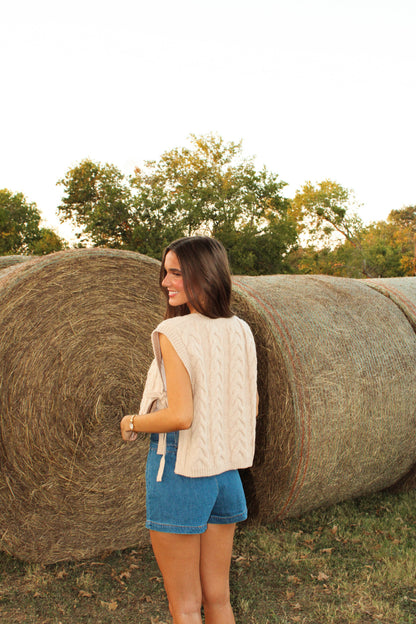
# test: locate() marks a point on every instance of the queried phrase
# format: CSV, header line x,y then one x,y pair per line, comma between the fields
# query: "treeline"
x,y
20,230
211,188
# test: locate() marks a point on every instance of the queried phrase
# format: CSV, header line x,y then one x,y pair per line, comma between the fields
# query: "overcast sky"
x,y
315,89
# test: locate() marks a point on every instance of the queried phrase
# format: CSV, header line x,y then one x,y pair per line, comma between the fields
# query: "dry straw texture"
x,y
7,261
74,352
337,391
401,290
336,382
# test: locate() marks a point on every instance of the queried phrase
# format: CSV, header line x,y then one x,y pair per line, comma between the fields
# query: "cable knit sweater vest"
x,y
220,357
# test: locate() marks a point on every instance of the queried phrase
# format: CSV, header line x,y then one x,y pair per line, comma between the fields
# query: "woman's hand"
x,y
126,433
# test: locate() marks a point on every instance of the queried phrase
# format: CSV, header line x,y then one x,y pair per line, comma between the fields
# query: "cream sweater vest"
x,y
220,357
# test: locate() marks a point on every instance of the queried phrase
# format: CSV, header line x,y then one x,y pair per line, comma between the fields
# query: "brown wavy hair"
x,y
206,276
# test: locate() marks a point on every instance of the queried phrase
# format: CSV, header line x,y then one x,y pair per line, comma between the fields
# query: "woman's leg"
x,y
178,558
216,551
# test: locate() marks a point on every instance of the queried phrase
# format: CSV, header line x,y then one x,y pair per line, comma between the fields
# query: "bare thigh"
x,y
178,558
216,551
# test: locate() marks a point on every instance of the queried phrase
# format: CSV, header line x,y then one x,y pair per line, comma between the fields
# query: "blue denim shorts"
x,y
186,505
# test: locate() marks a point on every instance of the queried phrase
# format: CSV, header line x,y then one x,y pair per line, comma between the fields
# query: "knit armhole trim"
x,y
173,335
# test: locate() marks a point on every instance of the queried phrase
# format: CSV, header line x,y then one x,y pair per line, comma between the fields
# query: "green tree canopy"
x,y
326,213
404,218
207,188
389,247
328,222
385,249
47,242
97,200
404,221
19,227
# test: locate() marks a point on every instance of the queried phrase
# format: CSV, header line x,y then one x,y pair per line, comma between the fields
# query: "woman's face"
x,y
173,281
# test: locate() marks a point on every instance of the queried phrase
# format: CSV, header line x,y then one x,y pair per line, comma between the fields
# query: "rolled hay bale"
x,y
7,261
402,291
74,352
337,392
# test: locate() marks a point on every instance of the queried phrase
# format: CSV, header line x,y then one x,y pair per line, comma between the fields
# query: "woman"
x,y
203,429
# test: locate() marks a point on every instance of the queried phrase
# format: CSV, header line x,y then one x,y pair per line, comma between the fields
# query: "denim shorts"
x,y
178,504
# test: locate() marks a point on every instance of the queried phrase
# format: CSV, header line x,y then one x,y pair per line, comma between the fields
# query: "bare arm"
x,y
179,413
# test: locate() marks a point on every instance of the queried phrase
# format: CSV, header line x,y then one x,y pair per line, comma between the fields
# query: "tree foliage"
x,y
97,200
326,210
386,249
405,237
207,188
329,223
20,231
47,242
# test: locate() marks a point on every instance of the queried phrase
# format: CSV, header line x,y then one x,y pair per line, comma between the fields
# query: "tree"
x,y
382,249
98,201
405,220
327,219
19,223
326,210
211,188
47,242
404,217
388,247
207,188
19,227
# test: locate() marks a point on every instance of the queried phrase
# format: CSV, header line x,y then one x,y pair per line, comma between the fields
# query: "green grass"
x,y
353,563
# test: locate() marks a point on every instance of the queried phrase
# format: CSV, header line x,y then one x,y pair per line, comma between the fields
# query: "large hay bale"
x,y
402,291
74,352
336,370
337,392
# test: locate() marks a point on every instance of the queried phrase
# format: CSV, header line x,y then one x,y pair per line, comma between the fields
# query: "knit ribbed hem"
x,y
211,472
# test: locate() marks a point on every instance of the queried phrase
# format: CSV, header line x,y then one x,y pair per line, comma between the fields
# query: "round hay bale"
x,y
7,261
402,291
337,391
74,353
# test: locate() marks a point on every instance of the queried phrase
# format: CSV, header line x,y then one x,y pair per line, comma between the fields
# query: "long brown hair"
x,y
206,276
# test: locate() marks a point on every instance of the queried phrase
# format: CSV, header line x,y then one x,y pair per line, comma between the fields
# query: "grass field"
x,y
354,563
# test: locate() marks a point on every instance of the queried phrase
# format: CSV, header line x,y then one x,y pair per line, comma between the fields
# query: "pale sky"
x,y
315,89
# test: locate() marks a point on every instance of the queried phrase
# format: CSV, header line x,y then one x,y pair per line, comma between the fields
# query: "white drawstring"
x,y
161,450
161,447
155,398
